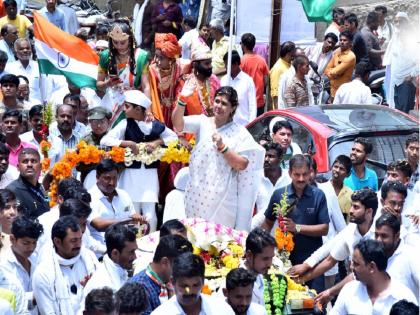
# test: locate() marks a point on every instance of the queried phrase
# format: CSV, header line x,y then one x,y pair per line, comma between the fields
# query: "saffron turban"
x,y
168,44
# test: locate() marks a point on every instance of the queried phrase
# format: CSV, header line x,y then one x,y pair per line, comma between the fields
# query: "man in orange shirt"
x,y
340,68
255,66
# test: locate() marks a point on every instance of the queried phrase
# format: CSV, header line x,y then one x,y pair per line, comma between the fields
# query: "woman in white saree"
x,y
225,166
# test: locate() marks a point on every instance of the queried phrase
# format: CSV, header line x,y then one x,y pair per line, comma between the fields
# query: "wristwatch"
x,y
298,228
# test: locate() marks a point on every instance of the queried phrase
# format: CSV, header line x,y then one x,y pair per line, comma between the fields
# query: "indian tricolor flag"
x,y
59,52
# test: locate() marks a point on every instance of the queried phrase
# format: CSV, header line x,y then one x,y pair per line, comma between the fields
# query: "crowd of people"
x,y
166,80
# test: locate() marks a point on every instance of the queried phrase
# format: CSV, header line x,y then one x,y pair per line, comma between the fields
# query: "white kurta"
x,y
142,184
216,192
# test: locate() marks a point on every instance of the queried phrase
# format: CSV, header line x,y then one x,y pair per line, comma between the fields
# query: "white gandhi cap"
x,y
137,98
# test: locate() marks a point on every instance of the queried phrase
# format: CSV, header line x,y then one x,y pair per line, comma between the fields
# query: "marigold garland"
x,y
84,153
176,152
284,239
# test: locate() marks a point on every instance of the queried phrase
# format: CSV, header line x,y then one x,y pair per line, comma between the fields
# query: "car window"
x,y
362,118
301,136
386,149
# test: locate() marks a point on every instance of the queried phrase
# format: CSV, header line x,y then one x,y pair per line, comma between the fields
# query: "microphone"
x,y
314,67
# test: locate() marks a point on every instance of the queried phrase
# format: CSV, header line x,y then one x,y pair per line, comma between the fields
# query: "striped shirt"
x,y
297,93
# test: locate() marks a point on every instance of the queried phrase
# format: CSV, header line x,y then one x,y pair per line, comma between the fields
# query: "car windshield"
x,y
351,117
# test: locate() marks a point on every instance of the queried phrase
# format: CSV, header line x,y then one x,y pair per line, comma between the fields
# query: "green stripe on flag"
x,y
78,79
318,10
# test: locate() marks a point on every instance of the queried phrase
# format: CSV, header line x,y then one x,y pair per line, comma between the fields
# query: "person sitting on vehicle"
x,y
356,91
340,68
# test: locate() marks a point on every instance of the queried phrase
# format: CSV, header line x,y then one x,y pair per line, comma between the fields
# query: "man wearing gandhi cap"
x,y
200,86
139,180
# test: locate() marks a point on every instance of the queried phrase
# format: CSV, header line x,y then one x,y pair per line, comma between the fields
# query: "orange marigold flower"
x,y
117,154
45,164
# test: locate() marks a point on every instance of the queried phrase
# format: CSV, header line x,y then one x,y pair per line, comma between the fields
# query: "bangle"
x,y
225,149
181,103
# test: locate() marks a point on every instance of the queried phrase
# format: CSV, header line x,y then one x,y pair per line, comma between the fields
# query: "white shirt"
x,y
11,263
354,92
256,309
186,42
31,72
29,138
337,223
354,299
9,282
341,245
209,306
121,208
247,101
11,174
174,206
109,274
5,308
315,54
404,266
8,51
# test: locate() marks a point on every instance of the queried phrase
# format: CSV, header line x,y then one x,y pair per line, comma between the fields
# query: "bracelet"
x,y
181,103
225,149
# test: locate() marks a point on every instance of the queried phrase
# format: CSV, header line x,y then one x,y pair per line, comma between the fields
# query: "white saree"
x,y
216,192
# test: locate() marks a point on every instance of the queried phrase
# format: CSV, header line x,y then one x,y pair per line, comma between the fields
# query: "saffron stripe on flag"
x,y
63,64
62,41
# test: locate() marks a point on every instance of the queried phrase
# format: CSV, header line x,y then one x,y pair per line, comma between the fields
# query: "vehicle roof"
x,y
342,118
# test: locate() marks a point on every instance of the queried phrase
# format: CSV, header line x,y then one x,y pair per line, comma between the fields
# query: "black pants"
x,y
404,96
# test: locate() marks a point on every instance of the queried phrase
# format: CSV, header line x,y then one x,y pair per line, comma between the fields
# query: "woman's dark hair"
x,y
257,240
112,66
75,207
172,225
171,246
132,298
239,277
116,235
395,186
23,226
105,166
231,94
367,197
188,265
388,219
6,196
373,251
60,227
100,300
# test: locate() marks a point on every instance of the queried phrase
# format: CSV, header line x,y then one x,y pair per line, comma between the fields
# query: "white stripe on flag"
x,y
63,62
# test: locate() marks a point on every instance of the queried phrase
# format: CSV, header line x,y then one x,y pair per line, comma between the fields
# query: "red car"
x,y
329,131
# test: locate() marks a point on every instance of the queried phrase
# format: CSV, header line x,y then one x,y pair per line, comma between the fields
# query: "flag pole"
x,y
232,21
